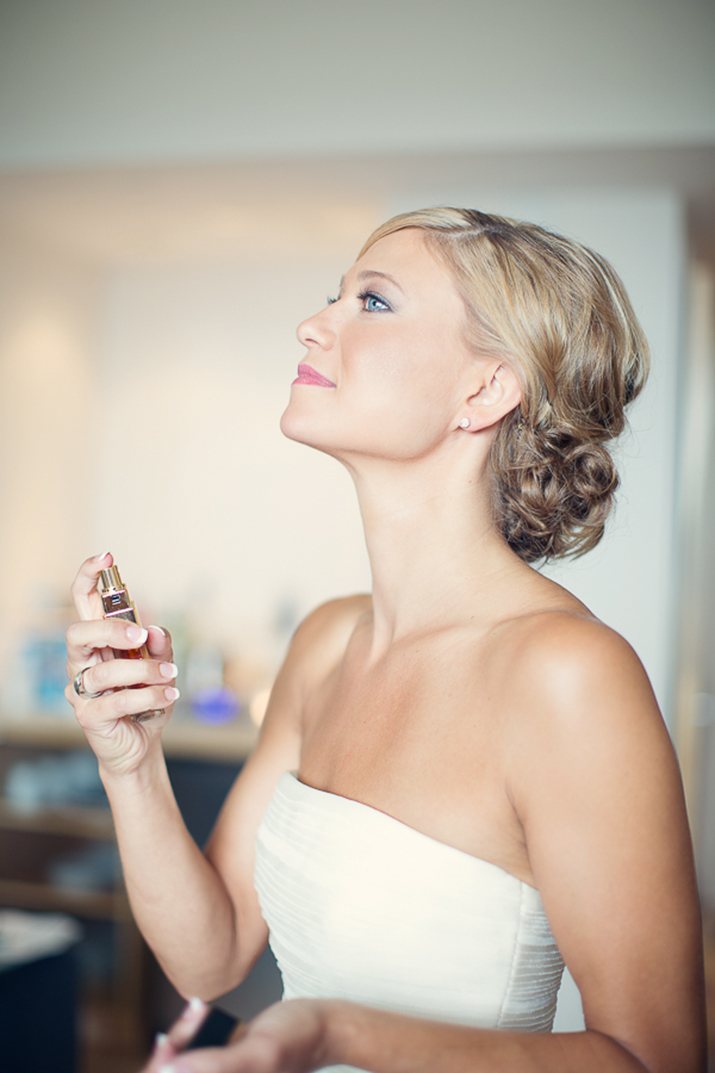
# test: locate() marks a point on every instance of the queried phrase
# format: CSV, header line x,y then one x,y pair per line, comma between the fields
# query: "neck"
x,y
436,556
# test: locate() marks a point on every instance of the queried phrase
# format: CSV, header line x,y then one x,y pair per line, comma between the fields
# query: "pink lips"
x,y
308,375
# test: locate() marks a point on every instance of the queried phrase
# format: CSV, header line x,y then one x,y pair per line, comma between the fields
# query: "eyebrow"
x,y
370,272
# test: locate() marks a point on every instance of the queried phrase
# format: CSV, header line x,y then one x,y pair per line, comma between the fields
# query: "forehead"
x,y
406,257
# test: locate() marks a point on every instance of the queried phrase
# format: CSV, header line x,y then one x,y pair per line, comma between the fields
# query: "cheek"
x,y
405,410
422,383
403,368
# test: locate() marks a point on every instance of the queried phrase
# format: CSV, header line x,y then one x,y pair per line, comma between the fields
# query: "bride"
x,y
463,780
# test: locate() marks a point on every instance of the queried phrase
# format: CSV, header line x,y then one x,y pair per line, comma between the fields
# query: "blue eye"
x,y
372,303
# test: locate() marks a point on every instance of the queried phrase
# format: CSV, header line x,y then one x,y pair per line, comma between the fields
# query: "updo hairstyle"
x,y
559,316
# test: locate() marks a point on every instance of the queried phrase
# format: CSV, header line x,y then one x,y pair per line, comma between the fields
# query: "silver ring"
x,y
79,687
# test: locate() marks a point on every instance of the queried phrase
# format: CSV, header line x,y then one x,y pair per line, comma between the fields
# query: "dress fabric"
x,y
362,907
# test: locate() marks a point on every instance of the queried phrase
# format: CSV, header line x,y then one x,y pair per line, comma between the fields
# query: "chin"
x,y
303,429
298,427
290,424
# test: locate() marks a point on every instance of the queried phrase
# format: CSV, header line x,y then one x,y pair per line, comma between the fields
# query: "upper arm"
x,y
596,785
231,848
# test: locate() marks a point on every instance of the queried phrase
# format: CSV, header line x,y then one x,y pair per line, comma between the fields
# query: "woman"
x,y
483,782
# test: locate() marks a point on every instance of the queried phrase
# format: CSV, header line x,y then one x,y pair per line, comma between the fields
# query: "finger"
x,y
84,587
192,1017
162,1053
94,712
122,673
159,643
86,637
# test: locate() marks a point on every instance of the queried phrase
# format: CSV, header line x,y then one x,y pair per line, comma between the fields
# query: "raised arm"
x,y
200,917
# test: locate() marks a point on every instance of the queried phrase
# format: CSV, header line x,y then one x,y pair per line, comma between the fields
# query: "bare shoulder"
x,y
334,616
577,697
317,646
566,661
323,635
580,707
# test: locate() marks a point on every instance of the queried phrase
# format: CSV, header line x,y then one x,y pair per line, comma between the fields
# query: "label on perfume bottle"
x,y
117,604
130,615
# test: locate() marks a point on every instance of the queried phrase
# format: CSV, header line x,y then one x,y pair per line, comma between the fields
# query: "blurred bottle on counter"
x,y
67,778
210,699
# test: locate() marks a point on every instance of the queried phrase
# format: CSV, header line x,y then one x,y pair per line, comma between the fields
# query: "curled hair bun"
x,y
552,493
559,316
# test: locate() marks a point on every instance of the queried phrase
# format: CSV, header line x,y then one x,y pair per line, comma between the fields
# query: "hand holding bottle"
x,y
120,673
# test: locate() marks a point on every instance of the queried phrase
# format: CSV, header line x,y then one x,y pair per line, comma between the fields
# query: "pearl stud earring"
x,y
465,422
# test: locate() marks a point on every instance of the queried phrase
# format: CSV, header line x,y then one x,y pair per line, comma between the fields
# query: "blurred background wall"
x,y
182,182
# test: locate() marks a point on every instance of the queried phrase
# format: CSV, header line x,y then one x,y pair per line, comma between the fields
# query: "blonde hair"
x,y
558,314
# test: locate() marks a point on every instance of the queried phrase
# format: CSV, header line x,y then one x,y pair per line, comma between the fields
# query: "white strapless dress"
x,y
362,907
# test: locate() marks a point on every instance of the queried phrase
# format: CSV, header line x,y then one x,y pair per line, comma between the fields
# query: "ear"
x,y
499,394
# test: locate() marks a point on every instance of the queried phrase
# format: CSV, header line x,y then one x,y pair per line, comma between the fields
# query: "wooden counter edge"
x,y
182,737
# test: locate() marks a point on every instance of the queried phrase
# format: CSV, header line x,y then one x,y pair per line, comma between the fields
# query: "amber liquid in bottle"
x,y
117,603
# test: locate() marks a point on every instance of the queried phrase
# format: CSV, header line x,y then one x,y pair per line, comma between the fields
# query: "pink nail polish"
x,y
160,1041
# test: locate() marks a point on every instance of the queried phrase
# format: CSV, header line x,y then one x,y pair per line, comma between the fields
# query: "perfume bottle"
x,y
117,603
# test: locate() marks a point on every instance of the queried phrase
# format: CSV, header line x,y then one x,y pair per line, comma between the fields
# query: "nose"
x,y
316,331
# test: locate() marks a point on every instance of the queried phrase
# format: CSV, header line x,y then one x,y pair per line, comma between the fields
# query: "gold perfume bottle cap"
x,y
110,579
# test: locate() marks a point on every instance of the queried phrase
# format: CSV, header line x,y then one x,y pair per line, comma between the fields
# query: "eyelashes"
x,y
372,302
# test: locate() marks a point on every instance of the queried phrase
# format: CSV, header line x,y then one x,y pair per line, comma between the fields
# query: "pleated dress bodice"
x,y
362,907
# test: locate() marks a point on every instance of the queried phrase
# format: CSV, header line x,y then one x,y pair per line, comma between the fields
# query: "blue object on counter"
x,y
216,705
45,660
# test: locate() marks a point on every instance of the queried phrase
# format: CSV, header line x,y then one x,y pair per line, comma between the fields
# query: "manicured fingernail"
x,y
195,1004
136,634
172,693
98,558
168,1069
160,629
168,670
160,1040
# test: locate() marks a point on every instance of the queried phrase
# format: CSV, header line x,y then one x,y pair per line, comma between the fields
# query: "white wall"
x,y
219,514
696,678
47,317
90,81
